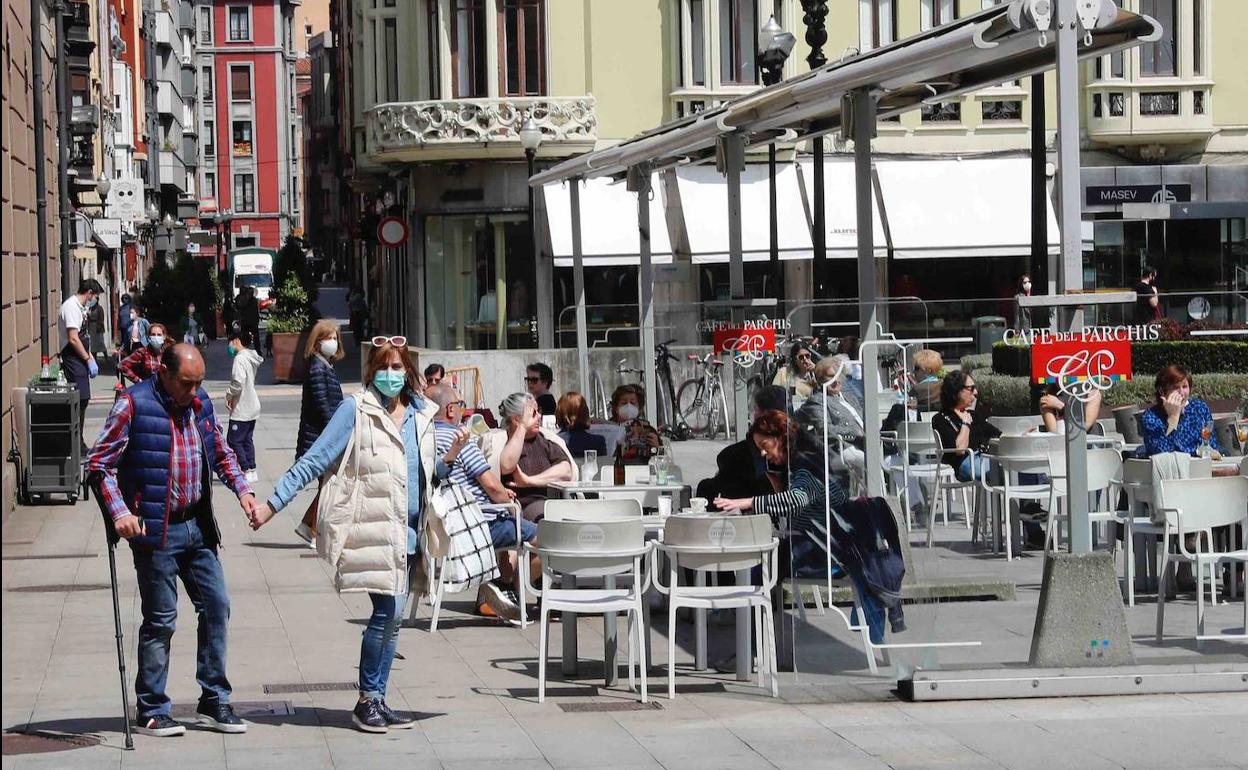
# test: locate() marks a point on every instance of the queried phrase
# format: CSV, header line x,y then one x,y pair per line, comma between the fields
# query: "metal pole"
x,y
542,268
62,134
642,185
1072,257
578,289
819,234
773,230
41,168
864,196
1039,183
734,163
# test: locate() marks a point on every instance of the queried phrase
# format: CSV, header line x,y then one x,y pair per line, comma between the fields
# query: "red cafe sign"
x,y
1094,359
746,343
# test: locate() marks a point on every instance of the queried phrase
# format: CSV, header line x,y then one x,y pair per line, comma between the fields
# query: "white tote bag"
x,y
470,560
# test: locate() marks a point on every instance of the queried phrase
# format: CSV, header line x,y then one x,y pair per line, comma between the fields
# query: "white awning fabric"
x,y
704,208
609,234
973,207
841,208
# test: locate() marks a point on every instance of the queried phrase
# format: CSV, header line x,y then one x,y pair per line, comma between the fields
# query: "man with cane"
x,y
151,468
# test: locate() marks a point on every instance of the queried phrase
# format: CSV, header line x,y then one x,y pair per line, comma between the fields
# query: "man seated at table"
x,y
532,457
472,471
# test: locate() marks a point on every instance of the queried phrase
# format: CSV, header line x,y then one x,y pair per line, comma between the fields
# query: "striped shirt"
x,y
185,459
469,464
803,501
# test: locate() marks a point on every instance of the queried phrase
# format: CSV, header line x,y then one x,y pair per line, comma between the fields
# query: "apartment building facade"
x,y
431,136
248,120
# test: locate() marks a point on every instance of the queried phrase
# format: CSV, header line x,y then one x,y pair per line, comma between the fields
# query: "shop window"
x,y
738,37
1159,58
245,193
523,36
239,17
468,50
240,84
242,139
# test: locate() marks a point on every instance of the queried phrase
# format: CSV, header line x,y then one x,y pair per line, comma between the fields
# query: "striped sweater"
x,y
803,502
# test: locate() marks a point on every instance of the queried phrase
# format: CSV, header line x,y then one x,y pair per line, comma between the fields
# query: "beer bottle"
x,y
619,465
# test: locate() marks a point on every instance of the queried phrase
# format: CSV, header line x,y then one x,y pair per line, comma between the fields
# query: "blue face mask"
x,y
230,349
389,383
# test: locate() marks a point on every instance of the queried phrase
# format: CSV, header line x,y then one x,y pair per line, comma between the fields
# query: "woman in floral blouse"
x,y
1173,424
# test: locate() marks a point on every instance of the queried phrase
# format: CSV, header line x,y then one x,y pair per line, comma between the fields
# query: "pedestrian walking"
x,y
77,363
322,393
145,361
125,319
192,328
241,400
140,328
95,328
151,466
381,450
1147,300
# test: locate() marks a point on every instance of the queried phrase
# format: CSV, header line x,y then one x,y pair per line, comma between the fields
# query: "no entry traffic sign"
x,y
392,231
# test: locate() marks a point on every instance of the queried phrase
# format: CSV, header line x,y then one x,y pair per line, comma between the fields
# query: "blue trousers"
x,y
242,440
377,647
184,556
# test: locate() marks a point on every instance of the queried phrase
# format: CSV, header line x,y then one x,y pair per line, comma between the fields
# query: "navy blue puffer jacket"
x,y
322,394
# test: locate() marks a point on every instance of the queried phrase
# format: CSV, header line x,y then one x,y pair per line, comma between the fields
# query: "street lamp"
x,y
774,47
222,220
530,140
103,185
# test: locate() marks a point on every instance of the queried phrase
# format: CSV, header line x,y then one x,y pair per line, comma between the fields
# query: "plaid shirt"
x,y
139,365
186,479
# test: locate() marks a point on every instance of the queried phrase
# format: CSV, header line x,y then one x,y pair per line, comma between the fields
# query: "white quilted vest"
x,y
373,527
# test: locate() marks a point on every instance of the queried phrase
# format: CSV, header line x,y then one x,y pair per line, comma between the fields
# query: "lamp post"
x,y
774,47
222,220
102,186
815,18
530,140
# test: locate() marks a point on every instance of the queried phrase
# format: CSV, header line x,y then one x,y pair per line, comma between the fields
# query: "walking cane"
x,y
94,480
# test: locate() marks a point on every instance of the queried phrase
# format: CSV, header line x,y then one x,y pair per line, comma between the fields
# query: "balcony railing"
x,y
1152,110
465,127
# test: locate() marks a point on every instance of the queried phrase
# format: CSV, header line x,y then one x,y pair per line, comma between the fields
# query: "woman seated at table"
x,y
787,446
929,367
961,425
531,458
798,375
843,420
639,440
1175,422
1053,410
572,416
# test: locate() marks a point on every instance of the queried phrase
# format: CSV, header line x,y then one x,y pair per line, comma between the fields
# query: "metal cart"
x,y
48,441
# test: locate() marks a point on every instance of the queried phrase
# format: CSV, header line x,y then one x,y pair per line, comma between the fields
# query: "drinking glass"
x,y
1241,432
662,467
589,468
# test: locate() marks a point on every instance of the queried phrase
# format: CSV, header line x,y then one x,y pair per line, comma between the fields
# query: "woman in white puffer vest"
x,y
379,448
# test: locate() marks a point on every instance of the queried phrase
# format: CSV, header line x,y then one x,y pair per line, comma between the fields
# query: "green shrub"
x,y
1012,395
976,362
290,308
1147,357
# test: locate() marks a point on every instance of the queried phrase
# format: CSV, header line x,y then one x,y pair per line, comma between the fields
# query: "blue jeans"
x,y
967,470
377,647
503,531
184,556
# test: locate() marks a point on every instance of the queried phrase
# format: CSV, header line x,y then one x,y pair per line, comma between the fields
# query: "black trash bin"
x,y
988,329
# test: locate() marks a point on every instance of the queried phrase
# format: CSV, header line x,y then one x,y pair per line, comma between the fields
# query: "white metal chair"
x,y
1104,471
918,439
721,544
1030,454
1016,425
1196,507
593,549
944,484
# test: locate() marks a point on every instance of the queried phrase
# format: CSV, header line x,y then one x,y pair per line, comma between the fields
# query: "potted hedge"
x,y
289,322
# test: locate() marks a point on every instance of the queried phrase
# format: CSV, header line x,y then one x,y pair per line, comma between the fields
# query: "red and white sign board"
x,y
392,232
743,342
1080,363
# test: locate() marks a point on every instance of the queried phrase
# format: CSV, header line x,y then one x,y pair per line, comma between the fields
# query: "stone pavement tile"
x,y
836,715
87,759
497,764
955,711
395,749
799,747
472,727
488,747
1020,745
280,758
914,744
605,744
1147,742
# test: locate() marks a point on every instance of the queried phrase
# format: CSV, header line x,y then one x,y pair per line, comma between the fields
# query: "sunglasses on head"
x,y
398,340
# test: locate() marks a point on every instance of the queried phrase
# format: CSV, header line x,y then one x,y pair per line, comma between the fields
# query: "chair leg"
x,y
798,599
671,646
769,634
1007,529
632,652
642,674
1128,559
1163,566
543,637
966,506
819,600
522,578
1200,601
437,603
757,657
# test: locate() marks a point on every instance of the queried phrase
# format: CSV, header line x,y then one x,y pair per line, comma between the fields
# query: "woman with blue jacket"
x,y
322,393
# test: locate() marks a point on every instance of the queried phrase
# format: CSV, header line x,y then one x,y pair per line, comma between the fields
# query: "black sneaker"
x,y
159,726
392,718
367,716
220,717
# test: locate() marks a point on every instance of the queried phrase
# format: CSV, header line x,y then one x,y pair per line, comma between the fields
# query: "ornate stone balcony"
x,y
479,128
1150,111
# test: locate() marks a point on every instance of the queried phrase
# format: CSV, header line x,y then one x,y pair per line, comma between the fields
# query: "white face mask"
x,y
329,348
628,411
1026,285
156,340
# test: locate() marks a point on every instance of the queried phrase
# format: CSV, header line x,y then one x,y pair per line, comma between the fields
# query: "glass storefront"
x,y
479,269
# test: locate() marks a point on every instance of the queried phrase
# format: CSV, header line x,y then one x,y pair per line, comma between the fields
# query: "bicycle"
x,y
701,402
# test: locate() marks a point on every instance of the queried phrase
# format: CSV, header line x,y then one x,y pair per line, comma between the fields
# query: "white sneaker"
x,y
499,600
305,532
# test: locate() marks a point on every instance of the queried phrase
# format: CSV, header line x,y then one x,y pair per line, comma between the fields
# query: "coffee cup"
x,y
698,504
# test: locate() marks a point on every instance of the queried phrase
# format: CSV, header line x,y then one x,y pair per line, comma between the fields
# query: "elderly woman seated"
x,y
828,404
929,367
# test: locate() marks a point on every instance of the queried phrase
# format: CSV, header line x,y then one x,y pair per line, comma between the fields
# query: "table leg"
x,y
745,657
610,642
699,628
568,628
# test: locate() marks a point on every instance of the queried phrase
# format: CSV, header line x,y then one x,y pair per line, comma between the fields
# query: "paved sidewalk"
x,y
474,682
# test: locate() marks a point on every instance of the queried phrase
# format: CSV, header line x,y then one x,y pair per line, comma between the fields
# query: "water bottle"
x,y
45,371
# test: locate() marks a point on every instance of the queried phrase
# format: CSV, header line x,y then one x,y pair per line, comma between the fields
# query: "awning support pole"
x,y
641,184
734,164
819,229
578,289
1072,257
1039,185
864,197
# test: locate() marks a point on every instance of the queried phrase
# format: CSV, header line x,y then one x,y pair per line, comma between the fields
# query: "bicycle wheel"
x,y
718,407
693,405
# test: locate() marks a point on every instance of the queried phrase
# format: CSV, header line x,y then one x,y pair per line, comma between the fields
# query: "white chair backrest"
x,y
585,548
1206,502
1044,450
591,510
1016,425
1104,465
1243,466
710,535
1136,471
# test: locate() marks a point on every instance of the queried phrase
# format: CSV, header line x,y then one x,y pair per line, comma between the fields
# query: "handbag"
x,y
337,500
470,560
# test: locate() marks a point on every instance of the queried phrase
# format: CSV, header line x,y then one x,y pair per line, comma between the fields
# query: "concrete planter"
x,y
287,355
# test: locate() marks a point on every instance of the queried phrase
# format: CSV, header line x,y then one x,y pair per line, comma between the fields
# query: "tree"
x,y
292,260
290,310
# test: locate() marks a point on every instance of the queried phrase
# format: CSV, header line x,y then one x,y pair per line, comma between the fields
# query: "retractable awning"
x,y
609,233
841,209
972,207
703,195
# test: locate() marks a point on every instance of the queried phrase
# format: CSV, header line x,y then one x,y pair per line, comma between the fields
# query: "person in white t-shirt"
x,y
77,362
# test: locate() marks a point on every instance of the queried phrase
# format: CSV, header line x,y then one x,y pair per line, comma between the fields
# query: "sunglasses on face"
x,y
972,388
532,379
399,341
